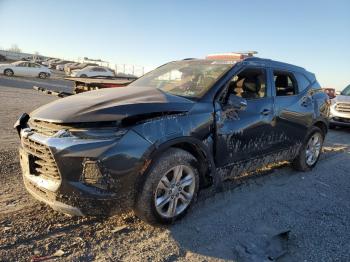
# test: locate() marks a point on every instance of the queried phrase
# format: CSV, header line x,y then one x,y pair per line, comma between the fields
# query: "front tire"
x,y
310,150
8,72
170,188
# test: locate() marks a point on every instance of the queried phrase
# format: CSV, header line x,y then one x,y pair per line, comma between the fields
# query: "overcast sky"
x,y
312,34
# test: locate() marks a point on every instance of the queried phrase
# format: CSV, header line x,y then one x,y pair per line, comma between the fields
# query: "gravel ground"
x,y
231,225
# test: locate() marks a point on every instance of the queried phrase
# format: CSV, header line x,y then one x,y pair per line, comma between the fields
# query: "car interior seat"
x,y
251,87
281,83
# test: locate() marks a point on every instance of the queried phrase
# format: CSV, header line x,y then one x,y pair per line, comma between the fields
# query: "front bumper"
x,y
120,161
339,118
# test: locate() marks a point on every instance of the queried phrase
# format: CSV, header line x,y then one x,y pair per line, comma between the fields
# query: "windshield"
x,y
190,78
346,91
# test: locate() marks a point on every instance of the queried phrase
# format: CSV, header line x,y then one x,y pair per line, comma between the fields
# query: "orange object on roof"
x,y
231,56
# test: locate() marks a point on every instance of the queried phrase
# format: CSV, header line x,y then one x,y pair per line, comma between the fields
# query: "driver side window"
x,y
249,84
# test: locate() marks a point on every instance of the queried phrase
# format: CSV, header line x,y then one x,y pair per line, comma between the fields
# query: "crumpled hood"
x,y
341,98
111,104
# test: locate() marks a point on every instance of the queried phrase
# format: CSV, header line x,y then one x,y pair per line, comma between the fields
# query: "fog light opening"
x,y
92,175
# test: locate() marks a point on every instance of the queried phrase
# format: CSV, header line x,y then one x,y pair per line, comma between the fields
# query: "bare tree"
x,y
15,48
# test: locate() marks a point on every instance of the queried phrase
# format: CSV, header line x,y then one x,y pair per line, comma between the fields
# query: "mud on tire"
x,y
149,194
300,162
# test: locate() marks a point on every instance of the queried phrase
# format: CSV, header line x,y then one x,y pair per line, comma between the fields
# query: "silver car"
x,y
340,109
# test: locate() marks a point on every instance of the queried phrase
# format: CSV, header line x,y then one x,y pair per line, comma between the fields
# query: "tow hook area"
x,y
21,123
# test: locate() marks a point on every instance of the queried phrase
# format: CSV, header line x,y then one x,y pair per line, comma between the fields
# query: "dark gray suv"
x,y
152,145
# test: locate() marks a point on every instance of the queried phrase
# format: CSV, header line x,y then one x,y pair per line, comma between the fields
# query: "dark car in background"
x,y
340,109
186,125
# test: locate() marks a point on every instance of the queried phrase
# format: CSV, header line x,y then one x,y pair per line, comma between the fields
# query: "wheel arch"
x,y
321,125
8,69
195,147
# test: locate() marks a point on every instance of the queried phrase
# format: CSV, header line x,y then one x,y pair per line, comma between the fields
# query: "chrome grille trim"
x,y
44,128
343,107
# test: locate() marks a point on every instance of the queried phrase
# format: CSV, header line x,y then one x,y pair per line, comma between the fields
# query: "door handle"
x,y
265,112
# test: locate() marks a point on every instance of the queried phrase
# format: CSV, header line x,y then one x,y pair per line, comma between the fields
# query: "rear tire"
x,y
169,189
310,150
42,75
8,72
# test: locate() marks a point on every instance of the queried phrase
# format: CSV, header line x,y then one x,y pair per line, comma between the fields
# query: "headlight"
x,y
102,133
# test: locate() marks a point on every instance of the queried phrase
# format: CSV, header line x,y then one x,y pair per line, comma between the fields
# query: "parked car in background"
x,y
186,125
2,58
46,63
79,66
25,68
340,109
93,71
61,67
61,62
66,66
330,92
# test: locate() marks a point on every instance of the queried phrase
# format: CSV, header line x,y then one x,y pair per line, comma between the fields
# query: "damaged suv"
x,y
153,144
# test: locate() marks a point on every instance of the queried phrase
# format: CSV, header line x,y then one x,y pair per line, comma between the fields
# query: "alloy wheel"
x,y
313,148
175,191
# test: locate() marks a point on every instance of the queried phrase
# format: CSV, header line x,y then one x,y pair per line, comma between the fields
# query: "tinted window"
x,y
303,82
249,84
285,83
33,65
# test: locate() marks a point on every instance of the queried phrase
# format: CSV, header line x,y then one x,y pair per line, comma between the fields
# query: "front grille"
x,y
42,162
343,107
44,128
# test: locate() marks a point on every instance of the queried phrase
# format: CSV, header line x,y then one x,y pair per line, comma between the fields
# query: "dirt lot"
x,y
232,225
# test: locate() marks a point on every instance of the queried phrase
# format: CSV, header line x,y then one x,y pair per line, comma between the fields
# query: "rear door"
x,y
249,133
293,106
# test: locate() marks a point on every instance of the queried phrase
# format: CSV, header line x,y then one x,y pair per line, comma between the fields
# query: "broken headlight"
x,y
103,133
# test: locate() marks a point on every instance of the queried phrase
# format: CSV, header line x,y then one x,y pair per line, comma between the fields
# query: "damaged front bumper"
x,y
82,176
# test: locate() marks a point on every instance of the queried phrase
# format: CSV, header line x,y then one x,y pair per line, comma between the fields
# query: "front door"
x,y
22,69
248,133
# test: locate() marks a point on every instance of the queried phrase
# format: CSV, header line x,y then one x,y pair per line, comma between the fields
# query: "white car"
x,y
93,71
61,67
25,68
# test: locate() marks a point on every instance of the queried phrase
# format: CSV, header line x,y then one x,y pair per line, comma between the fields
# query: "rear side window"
x,y
285,83
303,82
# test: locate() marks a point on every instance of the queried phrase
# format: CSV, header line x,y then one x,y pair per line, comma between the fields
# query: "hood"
x,y
111,104
4,65
342,98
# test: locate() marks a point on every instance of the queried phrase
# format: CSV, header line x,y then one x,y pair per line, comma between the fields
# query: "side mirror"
x,y
236,102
